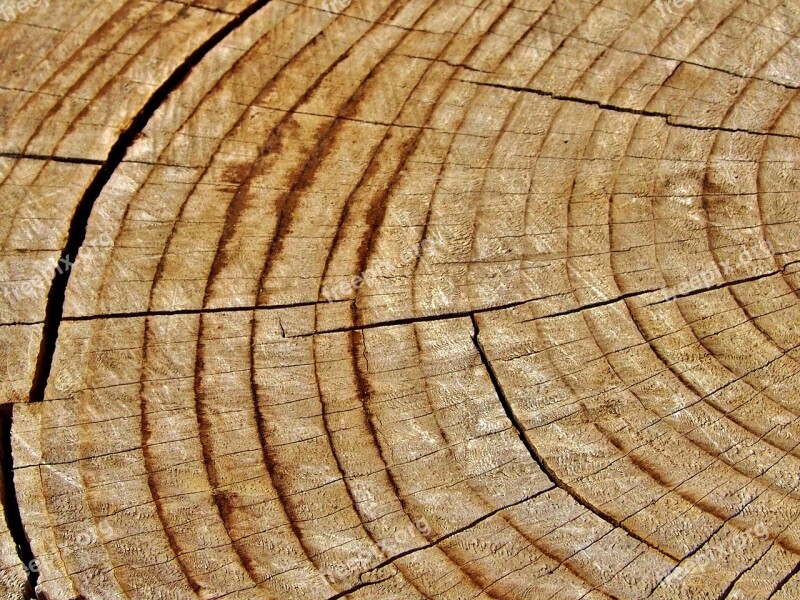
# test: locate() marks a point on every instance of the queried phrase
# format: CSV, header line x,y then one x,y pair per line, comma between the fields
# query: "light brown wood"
x,y
400,299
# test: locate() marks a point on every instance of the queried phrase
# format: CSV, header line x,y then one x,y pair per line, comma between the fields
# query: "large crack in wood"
x,y
56,295
539,459
421,318
80,220
10,502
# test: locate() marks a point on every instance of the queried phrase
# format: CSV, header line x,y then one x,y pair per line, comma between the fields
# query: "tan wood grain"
x,y
418,299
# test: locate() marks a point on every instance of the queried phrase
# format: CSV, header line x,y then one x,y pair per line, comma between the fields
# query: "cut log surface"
x,y
400,299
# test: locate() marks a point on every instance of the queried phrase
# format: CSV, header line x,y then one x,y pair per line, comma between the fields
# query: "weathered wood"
x,y
401,299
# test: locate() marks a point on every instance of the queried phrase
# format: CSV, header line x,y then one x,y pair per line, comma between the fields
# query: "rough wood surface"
x,y
412,299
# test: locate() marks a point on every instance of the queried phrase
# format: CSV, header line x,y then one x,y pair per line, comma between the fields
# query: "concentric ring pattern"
x,y
412,299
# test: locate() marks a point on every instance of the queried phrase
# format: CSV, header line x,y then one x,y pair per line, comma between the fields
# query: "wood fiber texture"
x,y
405,299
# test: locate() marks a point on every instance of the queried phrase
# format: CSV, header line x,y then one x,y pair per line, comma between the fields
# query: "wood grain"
x,y
415,299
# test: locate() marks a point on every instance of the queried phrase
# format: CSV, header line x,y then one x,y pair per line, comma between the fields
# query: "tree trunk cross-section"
x,y
400,299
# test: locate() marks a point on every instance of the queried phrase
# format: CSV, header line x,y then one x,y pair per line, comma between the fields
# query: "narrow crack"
x,y
516,303
8,500
672,59
448,63
195,311
406,320
432,544
80,220
415,319
782,583
20,323
387,323
536,456
622,109
205,8
46,157
719,286
477,311
702,546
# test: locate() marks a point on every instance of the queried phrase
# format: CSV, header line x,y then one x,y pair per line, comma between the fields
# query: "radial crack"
x,y
80,220
8,499
623,109
62,159
537,457
192,311
432,544
789,576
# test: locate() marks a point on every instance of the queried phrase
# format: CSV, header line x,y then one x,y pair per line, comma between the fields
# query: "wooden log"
x,y
415,299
